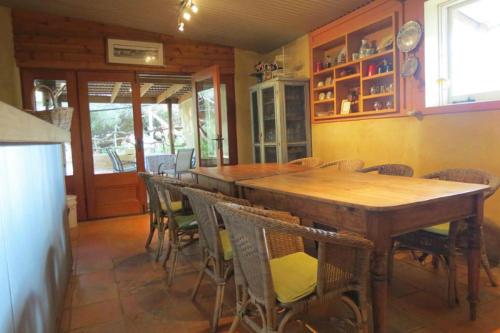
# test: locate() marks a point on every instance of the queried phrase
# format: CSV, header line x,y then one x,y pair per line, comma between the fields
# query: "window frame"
x,y
436,98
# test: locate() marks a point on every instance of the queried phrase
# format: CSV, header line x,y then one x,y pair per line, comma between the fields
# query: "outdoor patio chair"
x,y
118,165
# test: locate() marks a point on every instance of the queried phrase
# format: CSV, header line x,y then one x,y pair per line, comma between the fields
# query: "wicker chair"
x,y
181,222
311,162
344,165
157,209
443,240
390,169
341,267
215,245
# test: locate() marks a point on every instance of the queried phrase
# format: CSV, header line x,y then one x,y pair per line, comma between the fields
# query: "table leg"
x,y
474,256
379,290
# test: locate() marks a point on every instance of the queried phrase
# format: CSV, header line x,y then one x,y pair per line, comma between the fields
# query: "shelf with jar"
x,y
361,69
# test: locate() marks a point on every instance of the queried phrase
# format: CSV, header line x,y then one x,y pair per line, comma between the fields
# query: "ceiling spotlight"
x,y
181,26
186,16
194,8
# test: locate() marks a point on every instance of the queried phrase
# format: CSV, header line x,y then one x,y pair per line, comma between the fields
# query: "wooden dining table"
x,y
224,178
376,206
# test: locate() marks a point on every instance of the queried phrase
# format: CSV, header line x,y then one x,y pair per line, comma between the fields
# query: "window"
x,y
43,102
463,35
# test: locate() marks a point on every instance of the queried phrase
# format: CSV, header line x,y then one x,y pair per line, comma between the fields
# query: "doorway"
x,y
124,123
215,118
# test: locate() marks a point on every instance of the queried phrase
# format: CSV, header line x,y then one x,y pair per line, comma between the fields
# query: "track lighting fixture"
x,y
186,8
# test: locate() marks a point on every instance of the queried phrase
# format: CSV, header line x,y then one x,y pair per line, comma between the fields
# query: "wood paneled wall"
x,y
47,41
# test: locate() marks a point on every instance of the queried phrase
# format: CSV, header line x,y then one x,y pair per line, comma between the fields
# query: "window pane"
x,y
225,130
43,102
207,123
112,127
295,113
473,33
269,115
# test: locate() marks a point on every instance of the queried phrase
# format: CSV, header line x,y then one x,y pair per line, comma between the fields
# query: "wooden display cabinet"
x,y
372,92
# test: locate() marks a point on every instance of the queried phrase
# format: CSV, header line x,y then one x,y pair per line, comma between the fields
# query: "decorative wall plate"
x,y
409,36
410,66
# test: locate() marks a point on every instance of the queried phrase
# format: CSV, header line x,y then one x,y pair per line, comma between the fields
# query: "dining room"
x,y
264,166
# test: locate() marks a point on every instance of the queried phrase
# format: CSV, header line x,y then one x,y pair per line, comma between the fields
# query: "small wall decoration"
x,y
346,107
134,52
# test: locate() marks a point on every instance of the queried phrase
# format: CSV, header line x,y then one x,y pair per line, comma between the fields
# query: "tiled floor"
x,y
118,287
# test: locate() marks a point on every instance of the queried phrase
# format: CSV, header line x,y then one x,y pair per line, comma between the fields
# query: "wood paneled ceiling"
x,y
257,25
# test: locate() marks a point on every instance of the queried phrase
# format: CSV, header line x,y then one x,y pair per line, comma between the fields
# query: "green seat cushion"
x,y
226,244
441,229
186,222
294,276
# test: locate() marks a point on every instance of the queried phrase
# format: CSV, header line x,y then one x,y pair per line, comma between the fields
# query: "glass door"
x,y
112,136
254,105
211,118
269,125
296,122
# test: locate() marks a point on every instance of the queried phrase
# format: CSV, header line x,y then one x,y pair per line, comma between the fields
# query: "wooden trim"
x,y
49,41
139,140
170,128
213,73
95,182
228,80
460,108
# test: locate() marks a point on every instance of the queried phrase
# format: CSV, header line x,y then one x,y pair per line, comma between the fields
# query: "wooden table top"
x,y
233,173
360,190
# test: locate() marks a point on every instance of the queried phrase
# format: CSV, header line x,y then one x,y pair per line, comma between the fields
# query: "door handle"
x,y
219,140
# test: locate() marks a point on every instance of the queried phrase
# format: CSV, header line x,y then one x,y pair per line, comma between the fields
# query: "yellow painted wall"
x,y
436,142
433,143
244,65
10,86
297,53
245,61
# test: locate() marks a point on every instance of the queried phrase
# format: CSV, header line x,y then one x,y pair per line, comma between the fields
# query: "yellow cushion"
x,y
176,205
442,229
294,276
226,244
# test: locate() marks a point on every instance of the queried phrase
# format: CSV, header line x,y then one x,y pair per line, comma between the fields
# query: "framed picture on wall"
x,y
345,107
120,51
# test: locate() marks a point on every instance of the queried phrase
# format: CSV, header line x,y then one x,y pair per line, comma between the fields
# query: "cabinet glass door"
x,y
296,122
269,124
256,127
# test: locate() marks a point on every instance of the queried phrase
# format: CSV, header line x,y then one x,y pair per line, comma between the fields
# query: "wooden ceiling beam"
x,y
169,92
185,97
116,91
145,88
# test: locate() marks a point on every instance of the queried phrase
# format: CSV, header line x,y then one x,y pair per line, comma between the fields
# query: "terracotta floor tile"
x,y
65,321
112,327
111,261
97,313
92,264
88,294
150,301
